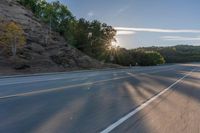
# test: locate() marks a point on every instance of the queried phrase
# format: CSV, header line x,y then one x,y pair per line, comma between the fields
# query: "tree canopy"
x,y
177,54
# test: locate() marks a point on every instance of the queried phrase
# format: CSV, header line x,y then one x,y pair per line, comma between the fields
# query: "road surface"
x,y
161,99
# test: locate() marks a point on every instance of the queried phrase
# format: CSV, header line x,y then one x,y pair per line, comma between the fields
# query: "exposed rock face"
x,y
41,54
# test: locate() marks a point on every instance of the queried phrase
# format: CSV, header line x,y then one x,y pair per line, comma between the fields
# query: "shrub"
x,y
11,36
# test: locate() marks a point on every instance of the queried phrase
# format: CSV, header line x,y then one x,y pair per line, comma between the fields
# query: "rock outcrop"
x,y
41,54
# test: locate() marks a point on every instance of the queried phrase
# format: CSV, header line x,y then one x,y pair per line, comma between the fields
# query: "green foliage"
x,y
149,58
100,40
31,4
178,54
134,57
55,14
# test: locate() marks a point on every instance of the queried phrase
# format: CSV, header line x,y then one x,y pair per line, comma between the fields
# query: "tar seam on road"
x,y
78,85
126,117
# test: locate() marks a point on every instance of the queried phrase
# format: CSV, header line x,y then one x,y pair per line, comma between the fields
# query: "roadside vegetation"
x,y
11,37
177,54
92,38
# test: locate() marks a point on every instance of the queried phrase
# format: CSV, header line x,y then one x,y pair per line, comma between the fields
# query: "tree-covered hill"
x,y
177,54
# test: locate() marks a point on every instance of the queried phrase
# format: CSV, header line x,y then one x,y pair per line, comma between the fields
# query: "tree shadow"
x,y
89,108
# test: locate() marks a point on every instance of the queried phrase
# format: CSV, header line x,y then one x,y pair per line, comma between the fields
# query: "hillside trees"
x,y
32,5
149,58
177,54
76,32
91,37
12,36
137,57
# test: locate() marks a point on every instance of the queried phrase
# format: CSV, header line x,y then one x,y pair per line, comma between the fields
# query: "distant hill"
x,y
177,54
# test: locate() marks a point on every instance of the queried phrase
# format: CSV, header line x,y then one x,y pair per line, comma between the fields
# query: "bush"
x,y
149,58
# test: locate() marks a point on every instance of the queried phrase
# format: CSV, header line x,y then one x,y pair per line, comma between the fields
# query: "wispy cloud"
x,y
180,38
125,32
156,30
123,9
90,14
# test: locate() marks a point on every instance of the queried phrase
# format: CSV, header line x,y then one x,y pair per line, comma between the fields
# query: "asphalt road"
x,y
161,99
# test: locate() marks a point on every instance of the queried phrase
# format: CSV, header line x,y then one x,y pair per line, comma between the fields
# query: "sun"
x,y
116,42
114,46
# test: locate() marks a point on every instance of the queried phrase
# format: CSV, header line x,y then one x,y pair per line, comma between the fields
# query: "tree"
x,y
12,37
93,38
31,4
149,58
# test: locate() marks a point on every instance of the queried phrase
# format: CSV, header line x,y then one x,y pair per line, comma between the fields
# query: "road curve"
x,y
141,100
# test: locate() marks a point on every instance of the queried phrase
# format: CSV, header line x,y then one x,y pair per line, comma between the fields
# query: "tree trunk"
x,y
14,48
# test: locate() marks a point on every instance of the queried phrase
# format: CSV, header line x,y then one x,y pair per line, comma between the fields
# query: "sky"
x,y
143,23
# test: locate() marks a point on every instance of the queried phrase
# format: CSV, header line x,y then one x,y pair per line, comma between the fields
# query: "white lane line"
x,y
78,85
126,117
53,79
39,80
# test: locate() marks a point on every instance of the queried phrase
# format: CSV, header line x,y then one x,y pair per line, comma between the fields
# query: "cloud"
x,y
122,9
90,14
180,38
125,32
156,30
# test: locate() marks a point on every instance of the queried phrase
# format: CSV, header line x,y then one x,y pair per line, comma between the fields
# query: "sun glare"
x,y
115,43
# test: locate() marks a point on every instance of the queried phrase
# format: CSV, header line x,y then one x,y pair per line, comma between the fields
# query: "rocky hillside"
x,y
38,55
